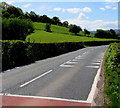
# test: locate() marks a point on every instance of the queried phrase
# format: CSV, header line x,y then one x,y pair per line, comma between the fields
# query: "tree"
x,y
65,24
86,31
15,11
113,33
74,29
44,19
16,29
105,34
55,20
48,27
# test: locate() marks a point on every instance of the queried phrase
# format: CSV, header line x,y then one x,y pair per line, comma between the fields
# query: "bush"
x,y
48,27
16,29
112,74
74,29
20,53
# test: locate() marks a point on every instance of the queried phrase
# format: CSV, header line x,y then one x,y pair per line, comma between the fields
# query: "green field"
x,y
58,34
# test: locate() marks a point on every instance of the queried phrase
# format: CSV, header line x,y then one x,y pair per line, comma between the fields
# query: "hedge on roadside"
x,y
20,53
112,75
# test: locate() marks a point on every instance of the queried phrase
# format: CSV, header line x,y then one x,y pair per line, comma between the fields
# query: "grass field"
x,y
46,37
59,34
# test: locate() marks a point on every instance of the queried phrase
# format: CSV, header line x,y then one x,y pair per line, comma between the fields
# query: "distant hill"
x,y
93,32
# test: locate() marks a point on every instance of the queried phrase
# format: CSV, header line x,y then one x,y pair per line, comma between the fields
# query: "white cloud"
x,y
81,16
9,2
74,10
93,25
27,5
108,7
87,9
102,8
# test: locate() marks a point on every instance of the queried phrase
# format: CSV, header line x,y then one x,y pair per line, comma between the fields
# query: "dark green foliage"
x,y
112,74
56,21
16,29
74,29
19,53
14,11
48,27
65,24
86,31
105,34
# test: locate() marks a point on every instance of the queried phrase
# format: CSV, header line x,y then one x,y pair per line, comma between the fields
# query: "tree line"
x,y
17,24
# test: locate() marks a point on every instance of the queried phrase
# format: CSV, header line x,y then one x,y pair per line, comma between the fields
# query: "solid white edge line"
x,y
52,98
35,79
94,85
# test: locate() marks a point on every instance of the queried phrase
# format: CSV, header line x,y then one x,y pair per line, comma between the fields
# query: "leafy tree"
x,y
44,19
65,24
74,29
113,33
55,21
16,29
105,34
86,31
4,5
15,11
48,27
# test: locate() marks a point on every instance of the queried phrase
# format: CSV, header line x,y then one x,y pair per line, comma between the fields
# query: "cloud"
x,y
82,21
81,16
27,5
108,7
9,2
87,9
74,10
59,9
102,8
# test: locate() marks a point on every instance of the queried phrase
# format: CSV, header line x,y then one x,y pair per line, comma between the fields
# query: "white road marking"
x,y
50,98
78,58
35,78
63,65
96,67
96,63
75,60
70,62
8,70
94,85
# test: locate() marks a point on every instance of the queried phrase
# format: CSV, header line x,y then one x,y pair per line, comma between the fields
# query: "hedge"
x,y
18,53
112,75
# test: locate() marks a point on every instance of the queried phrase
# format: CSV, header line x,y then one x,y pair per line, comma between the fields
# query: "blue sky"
x,y
89,15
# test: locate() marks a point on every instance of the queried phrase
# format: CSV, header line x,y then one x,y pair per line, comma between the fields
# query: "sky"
x,y
90,15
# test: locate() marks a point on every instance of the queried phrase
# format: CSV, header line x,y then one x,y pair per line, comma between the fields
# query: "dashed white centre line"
x,y
35,78
70,62
96,63
96,67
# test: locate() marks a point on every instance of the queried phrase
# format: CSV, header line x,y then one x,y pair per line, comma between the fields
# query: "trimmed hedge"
x,y
18,53
112,74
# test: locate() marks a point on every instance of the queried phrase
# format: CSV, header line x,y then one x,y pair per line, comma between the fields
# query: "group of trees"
x,y
12,12
16,29
106,34
21,25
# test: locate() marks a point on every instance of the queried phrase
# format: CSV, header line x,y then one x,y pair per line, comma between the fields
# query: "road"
x,y
68,76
